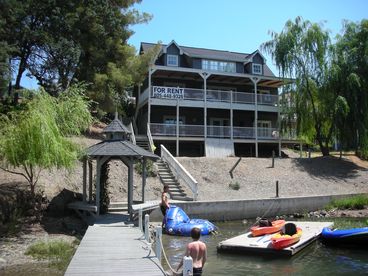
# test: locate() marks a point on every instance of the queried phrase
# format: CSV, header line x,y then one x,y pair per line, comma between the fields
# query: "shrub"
x,y
149,168
234,185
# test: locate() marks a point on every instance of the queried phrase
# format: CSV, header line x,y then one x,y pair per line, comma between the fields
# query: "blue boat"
x,y
178,223
354,236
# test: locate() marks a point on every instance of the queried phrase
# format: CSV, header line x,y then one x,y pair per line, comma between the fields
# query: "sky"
x,y
237,25
234,25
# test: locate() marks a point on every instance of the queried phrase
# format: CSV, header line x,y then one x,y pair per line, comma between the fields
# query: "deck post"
x,y
144,175
158,242
255,80
301,149
140,218
98,185
130,186
90,179
146,227
84,179
187,266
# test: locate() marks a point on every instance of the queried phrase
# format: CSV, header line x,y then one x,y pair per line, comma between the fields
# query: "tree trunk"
x,y
21,69
325,150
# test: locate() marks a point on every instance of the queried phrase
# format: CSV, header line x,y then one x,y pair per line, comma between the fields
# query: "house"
x,y
204,102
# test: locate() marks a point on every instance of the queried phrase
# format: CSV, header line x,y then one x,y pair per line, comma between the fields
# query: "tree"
x,y
351,55
61,42
36,138
302,51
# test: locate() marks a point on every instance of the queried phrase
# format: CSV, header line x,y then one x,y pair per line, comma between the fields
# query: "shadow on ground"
x,y
329,167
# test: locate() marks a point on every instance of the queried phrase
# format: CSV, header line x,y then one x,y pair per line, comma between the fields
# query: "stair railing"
x,y
132,135
150,140
179,171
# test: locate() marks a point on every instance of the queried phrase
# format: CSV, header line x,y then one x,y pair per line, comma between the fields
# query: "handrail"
x,y
132,135
150,140
179,171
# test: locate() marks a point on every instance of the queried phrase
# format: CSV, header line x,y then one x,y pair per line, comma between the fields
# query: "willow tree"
x,y
37,138
351,55
302,52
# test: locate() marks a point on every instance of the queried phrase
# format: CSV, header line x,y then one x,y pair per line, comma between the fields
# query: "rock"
x,y
297,215
2,262
323,213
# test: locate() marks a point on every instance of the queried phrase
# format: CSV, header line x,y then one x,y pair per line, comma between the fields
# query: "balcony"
x,y
192,94
222,132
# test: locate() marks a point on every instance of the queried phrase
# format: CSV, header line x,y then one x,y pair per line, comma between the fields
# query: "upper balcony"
x,y
240,100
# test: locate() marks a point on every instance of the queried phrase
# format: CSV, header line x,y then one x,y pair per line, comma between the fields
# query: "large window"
x,y
215,65
172,60
256,69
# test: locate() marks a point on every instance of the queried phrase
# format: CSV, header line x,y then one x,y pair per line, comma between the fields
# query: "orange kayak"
x,y
263,230
280,241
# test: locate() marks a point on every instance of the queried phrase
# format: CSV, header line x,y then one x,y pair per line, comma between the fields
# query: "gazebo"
x,y
116,146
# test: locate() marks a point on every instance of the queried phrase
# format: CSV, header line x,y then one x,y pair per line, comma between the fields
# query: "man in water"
x,y
197,250
164,205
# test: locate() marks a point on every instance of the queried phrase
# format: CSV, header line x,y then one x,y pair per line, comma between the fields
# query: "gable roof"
x,y
201,52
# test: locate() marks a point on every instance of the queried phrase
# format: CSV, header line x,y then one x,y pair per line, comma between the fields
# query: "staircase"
x,y
176,191
142,141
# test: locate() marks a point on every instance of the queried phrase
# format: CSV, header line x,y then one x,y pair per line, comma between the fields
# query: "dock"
x,y
247,243
113,247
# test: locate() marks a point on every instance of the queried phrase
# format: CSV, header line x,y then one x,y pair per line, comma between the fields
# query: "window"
x,y
172,60
215,65
256,69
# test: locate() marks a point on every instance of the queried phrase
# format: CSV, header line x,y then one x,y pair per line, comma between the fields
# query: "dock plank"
x,y
119,250
247,243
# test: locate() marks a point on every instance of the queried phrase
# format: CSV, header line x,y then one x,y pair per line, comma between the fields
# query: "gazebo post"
x,y
98,185
84,179
130,185
90,177
143,177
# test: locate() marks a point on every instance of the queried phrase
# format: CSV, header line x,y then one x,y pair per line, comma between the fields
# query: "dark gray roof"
x,y
204,53
117,148
116,126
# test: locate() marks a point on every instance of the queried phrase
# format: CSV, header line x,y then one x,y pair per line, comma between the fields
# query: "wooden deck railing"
x,y
179,171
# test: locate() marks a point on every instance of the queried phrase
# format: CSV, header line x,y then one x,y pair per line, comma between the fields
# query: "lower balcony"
x,y
222,132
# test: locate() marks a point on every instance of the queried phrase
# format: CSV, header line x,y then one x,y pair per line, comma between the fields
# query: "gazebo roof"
x,y
116,126
119,148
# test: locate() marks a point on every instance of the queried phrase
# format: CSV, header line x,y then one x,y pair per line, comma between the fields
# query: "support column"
x,y
279,122
177,127
84,180
255,81
150,71
98,184
231,116
90,179
143,178
130,186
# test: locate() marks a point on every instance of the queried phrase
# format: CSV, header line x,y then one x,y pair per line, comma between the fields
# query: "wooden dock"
x,y
262,244
112,247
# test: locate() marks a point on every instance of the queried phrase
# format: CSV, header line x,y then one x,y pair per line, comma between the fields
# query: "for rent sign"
x,y
168,92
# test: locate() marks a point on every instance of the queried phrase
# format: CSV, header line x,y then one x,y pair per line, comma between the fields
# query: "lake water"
x,y
316,259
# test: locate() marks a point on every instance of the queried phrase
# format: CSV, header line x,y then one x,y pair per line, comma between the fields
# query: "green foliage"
x,y
58,253
357,202
234,185
35,138
150,171
60,42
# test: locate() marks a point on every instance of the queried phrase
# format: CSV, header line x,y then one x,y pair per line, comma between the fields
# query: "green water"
x,y
316,259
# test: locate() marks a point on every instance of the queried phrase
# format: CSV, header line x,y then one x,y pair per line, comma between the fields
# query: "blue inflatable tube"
x,y
178,223
345,236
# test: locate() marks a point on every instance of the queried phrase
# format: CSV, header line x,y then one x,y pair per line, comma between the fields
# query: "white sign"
x,y
168,92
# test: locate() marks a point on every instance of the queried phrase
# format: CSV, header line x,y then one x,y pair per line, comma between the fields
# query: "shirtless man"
x,y
197,250
164,205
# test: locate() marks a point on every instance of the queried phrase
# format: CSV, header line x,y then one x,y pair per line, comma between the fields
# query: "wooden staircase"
x,y
142,141
176,191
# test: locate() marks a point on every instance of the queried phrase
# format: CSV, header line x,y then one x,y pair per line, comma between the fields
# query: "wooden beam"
x,y
144,175
90,179
98,185
130,186
84,179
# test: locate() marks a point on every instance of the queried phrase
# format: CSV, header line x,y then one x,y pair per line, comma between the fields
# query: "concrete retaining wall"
x,y
241,209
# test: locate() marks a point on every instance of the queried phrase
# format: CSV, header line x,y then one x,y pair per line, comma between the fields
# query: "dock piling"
x,y
158,242
146,228
277,188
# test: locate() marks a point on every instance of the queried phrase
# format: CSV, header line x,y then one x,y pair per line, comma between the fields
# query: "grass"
x,y
357,203
58,253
